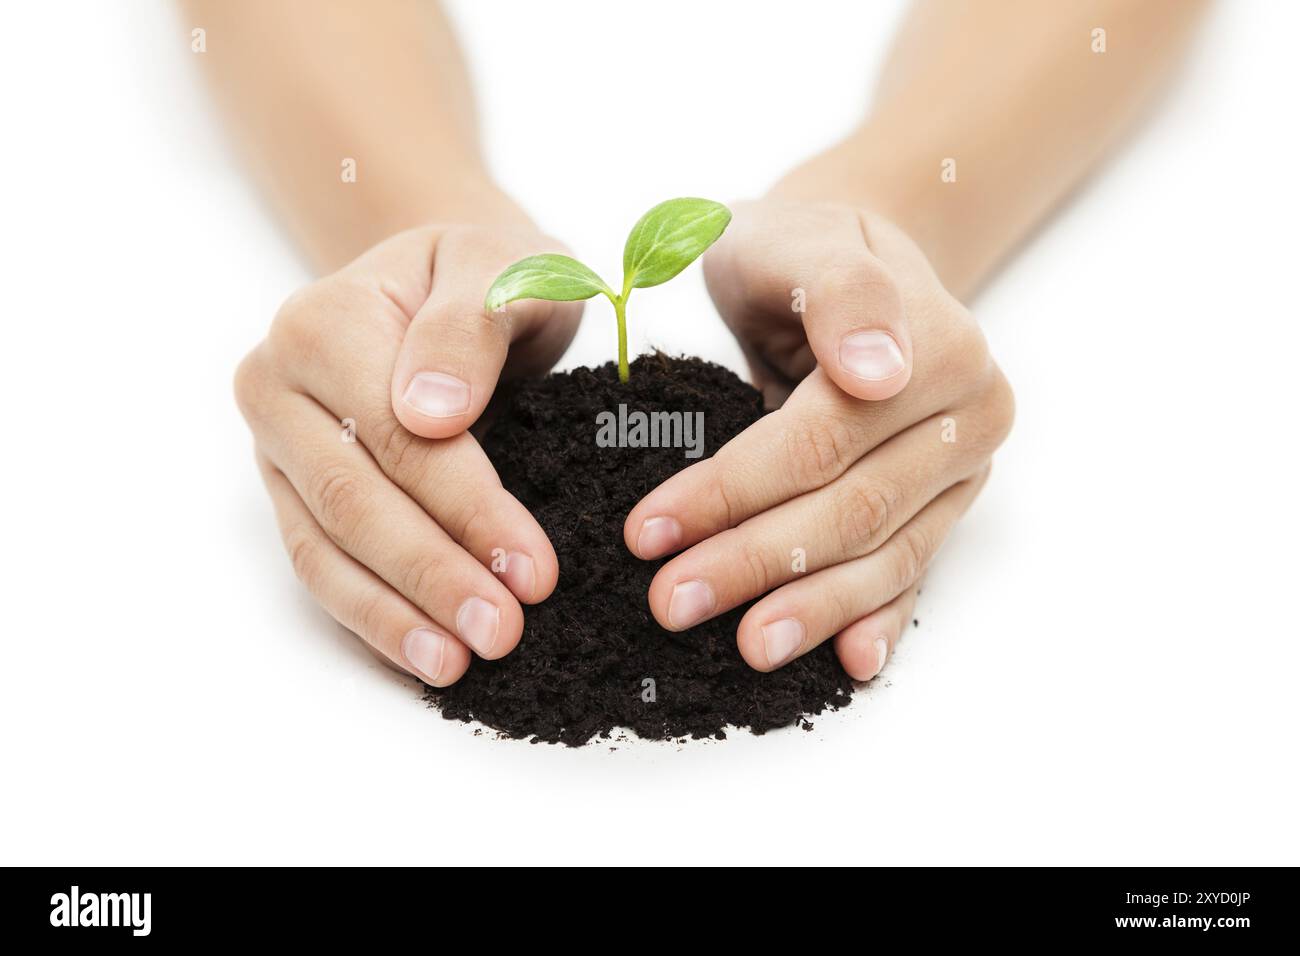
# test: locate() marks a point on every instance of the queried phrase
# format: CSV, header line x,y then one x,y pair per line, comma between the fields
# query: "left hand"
x,y
836,502
358,400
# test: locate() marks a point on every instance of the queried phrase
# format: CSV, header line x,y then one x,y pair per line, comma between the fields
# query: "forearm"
x,y
357,118
989,112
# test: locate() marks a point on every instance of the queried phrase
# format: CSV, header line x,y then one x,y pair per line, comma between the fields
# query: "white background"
x,y
1106,665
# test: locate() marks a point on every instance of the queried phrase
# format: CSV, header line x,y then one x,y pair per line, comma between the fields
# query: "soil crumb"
x,y
592,658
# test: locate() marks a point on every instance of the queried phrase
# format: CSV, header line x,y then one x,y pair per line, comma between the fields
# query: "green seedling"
x,y
664,241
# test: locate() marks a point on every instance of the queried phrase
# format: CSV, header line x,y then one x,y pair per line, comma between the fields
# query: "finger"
x,y
345,366
848,300
865,645
856,326
455,483
796,618
804,445
454,350
848,518
371,519
815,436
357,599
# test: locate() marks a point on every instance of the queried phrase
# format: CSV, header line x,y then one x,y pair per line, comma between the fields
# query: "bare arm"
x,y
308,84
1013,92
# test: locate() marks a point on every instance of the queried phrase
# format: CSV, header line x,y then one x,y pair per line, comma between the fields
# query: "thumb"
x,y
812,262
454,349
856,325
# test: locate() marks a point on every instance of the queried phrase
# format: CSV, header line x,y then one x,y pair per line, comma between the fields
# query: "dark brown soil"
x,y
586,651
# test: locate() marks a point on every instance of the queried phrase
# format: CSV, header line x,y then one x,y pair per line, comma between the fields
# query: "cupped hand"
x,y
359,399
833,505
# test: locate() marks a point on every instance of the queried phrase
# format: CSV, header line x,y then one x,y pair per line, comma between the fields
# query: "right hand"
x,y
860,470
398,532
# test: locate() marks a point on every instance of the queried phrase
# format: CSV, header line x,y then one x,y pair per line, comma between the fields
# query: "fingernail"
x,y
692,602
476,623
871,355
423,649
882,652
520,575
437,395
658,537
781,639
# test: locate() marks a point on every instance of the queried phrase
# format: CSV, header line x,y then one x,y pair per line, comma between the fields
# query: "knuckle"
x,y
817,451
369,615
529,313
762,575
862,278
463,518
294,328
300,326
864,510
482,247
913,547
844,604
967,357
989,416
303,547
430,471
465,328
340,495
393,448
249,383
1002,402
420,577
727,497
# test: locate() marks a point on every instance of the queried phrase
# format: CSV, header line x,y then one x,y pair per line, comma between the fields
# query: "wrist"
x,y
469,198
390,201
869,170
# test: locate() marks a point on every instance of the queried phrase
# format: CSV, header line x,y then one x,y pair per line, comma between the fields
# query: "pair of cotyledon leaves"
x,y
663,242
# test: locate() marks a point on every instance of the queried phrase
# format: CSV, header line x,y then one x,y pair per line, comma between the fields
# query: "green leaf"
x,y
549,276
669,238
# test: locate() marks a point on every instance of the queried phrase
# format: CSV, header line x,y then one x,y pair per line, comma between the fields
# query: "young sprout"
x,y
664,241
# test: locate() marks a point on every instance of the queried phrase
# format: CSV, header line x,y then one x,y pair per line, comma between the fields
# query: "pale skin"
x,y
889,406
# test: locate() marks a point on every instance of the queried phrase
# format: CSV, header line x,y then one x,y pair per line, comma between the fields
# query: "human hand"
x,y
836,502
390,511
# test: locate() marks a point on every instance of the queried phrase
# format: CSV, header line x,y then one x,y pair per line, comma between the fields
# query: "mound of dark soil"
x,y
586,652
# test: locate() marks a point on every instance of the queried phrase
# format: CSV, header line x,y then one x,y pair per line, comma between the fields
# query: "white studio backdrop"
x,y
1104,666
